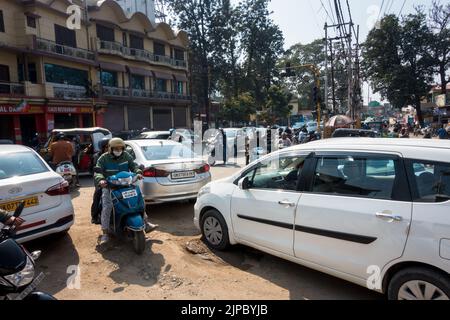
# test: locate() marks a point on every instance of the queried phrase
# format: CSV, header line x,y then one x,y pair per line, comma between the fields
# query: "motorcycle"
x,y
67,170
127,219
17,274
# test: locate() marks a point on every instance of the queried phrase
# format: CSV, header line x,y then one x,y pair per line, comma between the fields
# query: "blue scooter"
x,y
128,209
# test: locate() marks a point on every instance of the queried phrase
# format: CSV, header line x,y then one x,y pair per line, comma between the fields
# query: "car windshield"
x,y
164,152
20,164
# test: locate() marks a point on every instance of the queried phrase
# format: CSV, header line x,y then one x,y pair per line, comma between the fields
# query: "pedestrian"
x,y
285,141
442,133
224,145
247,150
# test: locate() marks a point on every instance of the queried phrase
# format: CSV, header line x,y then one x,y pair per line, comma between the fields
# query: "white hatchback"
x,y
375,212
24,176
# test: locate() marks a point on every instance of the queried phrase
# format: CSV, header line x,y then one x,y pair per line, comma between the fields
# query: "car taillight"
x,y
203,169
155,173
58,190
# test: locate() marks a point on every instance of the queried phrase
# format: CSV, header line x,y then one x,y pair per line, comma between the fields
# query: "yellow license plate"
x,y
12,205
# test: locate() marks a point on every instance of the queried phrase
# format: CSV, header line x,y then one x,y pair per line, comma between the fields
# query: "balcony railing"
x,y
53,47
69,92
138,54
142,94
115,91
11,88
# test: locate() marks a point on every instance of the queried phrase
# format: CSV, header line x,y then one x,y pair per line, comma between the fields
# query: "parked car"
x,y
88,140
153,135
6,141
342,133
172,171
25,176
312,126
373,212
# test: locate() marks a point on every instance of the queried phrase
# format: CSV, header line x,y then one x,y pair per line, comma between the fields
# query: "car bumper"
x,y
155,192
48,222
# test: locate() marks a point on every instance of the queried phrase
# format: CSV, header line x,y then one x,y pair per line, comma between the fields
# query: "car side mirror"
x,y
244,183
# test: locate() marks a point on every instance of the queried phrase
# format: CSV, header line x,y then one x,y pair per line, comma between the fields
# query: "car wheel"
x,y
215,230
419,284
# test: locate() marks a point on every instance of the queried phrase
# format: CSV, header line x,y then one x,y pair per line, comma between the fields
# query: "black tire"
x,y
139,242
213,216
438,279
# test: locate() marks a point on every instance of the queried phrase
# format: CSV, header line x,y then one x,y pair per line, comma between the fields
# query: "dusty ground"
x,y
167,270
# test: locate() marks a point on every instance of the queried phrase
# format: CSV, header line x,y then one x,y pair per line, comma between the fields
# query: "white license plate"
x,y
129,194
183,175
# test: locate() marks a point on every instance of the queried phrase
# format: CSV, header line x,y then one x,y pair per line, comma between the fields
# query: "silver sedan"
x,y
172,171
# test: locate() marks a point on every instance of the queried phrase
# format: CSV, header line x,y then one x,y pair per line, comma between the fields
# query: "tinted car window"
x,y
348,176
433,181
20,164
166,152
279,174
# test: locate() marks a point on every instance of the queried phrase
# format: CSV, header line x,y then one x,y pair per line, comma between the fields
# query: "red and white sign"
x,y
22,108
52,109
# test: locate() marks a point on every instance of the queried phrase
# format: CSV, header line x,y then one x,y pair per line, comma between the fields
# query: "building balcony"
x,y
69,92
66,51
12,89
117,92
116,48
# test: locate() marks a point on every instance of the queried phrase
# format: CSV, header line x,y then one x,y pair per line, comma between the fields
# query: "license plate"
x,y
33,285
12,205
183,175
129,194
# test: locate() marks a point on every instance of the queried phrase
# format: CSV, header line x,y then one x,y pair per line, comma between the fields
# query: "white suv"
x,y
375,212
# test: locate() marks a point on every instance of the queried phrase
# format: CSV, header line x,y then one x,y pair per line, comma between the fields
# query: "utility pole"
x,y
333,84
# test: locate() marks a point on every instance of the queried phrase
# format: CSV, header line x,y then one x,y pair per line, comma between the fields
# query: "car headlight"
x,y
24,277
203,191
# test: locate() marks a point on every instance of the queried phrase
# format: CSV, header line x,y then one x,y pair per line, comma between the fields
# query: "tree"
x,y
396,60
262,44
239,109
439,21
277,106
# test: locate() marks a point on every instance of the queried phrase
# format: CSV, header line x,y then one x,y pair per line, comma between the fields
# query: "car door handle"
x,y
286,203
389,216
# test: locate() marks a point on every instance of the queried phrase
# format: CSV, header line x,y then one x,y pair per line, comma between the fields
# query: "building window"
x,y
64,75
161,85
137,82
32,72
108,78
159,49
64,36
179,54
124,39
105,33
136,42
179,87
31,22
2,23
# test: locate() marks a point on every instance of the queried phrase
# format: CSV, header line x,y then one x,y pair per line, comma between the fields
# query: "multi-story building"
x,y
115,70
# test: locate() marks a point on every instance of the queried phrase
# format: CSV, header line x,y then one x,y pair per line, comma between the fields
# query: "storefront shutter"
x,y
138,117
162,119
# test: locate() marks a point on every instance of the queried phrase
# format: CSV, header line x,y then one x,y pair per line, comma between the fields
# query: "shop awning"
x,y
112,66
162,75
181,77
140,71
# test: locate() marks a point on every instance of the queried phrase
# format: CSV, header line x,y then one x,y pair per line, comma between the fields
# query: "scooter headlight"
x,y
125,181
24,277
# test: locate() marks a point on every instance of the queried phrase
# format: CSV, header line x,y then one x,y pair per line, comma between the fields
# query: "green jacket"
x,y
4,215
108,165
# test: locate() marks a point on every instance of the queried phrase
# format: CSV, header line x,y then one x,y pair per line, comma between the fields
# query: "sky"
x,y
302,21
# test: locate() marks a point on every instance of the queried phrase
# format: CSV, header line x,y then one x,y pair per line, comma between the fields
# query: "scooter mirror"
x,y
36,254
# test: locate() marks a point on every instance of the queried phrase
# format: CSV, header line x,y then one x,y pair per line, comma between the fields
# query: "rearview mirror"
x,y
244,183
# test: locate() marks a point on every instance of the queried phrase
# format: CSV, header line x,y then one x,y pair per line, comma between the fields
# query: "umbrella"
x,y
339,121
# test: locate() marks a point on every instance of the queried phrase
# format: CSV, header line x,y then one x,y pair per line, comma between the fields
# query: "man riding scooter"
x,y
109,164
62,151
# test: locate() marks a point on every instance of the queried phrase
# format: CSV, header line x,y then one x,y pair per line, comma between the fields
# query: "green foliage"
x,y
239,109
277,106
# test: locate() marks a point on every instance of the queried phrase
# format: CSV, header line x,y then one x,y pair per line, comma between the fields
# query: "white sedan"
x,y
371,211
25,176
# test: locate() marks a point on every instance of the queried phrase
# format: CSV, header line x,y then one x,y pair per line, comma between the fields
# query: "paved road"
x,y
167,270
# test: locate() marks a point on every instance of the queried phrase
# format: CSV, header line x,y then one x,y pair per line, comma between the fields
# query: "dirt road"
x,y
167,270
